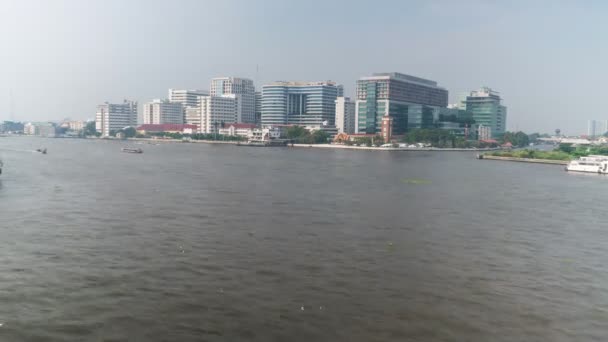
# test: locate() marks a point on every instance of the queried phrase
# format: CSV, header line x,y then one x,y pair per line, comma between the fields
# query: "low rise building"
x,y
166,128
237,129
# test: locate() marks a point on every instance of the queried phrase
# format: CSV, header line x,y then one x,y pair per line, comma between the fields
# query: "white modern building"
x,y
187,97
244,92
345,115
160,112
111,117
215,111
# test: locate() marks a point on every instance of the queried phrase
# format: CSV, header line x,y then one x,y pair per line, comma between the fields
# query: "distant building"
x,y
402,97
160,112
596,128
216,111
486,108
11,127
299,103
111,117
237,129
166,128
345,115
244,93
74,125
43,129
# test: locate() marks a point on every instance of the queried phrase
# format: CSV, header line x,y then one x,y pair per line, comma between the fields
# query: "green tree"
x,y
565,148
129,132
89,129
319,137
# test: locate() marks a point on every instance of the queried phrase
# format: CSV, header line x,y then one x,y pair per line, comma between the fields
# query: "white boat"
x,y
592,163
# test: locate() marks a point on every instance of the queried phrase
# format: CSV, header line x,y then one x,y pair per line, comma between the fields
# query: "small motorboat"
x,y
41,150
132,150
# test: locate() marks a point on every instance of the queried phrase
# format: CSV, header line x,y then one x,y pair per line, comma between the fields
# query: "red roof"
x,y
240,125
490,141
165,127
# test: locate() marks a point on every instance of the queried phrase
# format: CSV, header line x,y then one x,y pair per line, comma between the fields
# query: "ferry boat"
x,y
592,163
132,150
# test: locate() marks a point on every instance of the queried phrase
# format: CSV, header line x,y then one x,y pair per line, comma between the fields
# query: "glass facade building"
x,y
409,100
486,108
299,103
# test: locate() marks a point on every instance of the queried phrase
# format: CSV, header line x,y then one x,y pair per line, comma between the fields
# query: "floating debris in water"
x,y
415,181
302,308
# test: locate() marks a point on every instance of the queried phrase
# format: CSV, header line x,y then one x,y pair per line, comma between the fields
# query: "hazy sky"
x,y
61,58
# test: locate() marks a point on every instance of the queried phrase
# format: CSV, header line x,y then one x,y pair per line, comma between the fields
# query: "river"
x,y
197,242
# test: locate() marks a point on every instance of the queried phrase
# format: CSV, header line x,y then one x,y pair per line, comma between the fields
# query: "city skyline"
x,y
60,66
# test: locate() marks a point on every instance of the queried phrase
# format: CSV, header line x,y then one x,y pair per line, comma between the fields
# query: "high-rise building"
x,y
596,128
187,97
486,108
402,97
244,90
111,117
216,111
258,106
299,103
345,115
160,112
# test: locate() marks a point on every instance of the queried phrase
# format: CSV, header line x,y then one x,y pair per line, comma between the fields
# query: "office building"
x,y
160,112
187,97
395,95
193,116
299,103
484,132
111,117
486,108
216,111
244,92
258,107
345,115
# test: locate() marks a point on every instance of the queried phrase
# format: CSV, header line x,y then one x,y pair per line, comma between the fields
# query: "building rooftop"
x,y
241,125
302,83
400,77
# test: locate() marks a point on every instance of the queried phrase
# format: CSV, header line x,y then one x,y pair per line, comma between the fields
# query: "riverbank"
x,y
346,147
524,160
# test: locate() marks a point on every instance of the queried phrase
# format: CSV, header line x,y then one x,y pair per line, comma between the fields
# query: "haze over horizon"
x,y
63,58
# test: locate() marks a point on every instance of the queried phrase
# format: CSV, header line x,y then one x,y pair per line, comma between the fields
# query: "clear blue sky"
x,y
62,58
